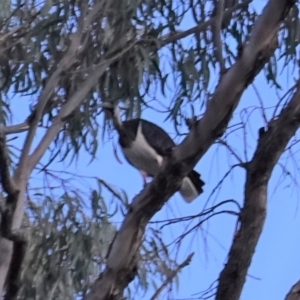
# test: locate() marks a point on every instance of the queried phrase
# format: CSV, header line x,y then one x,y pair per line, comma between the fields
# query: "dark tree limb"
x,y
7,181
261,45
122,258
270,147
9,187
294,293
7,211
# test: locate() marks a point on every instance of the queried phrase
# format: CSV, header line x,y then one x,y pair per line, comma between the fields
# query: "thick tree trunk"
x,y
271,145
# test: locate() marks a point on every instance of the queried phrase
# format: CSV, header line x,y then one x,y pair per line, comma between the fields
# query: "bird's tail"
x,y
192,187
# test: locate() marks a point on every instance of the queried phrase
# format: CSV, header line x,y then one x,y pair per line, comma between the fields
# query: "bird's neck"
x,y
118,124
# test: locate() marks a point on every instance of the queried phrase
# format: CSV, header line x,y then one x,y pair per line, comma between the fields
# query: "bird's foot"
x,y
144,175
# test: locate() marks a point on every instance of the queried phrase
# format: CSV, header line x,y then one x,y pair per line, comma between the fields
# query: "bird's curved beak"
x,y
107,106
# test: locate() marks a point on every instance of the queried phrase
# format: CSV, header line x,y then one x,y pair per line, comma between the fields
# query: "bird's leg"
x,y
144,175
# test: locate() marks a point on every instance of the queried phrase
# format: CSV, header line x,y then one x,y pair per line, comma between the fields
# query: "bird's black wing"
x,y
157,137
127,132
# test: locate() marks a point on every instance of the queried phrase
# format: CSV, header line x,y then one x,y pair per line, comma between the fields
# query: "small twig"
x,y
224,143
171,276
199,215
209,292
263,110
167,39
219,184
199,224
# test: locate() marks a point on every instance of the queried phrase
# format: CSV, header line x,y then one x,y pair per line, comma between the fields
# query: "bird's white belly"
x,y
142,156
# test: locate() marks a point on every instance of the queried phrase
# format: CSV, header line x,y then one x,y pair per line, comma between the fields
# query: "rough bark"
x,y
121,262
271,145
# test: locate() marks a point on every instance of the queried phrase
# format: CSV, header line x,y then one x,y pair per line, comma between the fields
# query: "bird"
x,y
145,145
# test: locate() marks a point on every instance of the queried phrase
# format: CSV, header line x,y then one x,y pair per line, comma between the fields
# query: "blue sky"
x,y
275,266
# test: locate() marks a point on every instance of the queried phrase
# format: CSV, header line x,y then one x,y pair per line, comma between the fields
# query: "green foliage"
x,y
66,250
69,234
68,240
31,54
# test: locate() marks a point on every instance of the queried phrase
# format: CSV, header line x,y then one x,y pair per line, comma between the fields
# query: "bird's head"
x,y
113,112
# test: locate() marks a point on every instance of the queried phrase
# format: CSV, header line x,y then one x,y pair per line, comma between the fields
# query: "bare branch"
x,y
28,162
171,276
65,63
13,129
294,293
224,143
270,147
262,43
216,30
168,39
122,260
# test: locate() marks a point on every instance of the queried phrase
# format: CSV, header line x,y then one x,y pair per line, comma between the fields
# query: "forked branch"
x,y
270,147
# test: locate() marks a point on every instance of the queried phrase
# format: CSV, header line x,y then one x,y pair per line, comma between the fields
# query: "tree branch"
x,y
65,63
294,293
261,45
216,30
122,259
6,234
28,162
171,38
270,147
72,103
172,275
